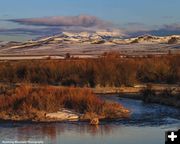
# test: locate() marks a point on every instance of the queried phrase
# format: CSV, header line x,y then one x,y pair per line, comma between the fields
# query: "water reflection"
x,y
146,120
67,133
54,129
25,131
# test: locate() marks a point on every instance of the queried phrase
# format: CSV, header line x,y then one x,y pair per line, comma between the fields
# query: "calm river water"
x,y
147,125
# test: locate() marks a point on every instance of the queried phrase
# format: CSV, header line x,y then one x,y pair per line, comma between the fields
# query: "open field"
x,y
84,50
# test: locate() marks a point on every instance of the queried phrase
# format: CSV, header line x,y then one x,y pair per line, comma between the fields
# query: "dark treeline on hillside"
x,y
110,70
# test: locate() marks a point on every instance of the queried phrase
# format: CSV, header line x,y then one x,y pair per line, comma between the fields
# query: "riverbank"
x,y
38,103
49,103
136,89
165,94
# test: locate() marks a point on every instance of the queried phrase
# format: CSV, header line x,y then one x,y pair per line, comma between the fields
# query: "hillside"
x,y
92,43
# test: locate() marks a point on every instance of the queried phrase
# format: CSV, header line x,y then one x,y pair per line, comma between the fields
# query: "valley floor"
x,y
86,50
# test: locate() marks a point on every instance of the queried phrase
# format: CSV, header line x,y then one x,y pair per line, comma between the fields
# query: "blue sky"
x,y
151,12
125,14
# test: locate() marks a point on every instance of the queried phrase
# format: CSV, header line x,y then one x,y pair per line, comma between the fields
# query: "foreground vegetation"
x,y
32,102
41,95
108,70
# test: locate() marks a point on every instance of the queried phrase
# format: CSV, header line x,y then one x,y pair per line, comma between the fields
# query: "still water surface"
x,y
147,125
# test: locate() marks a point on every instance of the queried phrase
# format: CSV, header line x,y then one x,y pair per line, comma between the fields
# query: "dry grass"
x,y
108,70
27,99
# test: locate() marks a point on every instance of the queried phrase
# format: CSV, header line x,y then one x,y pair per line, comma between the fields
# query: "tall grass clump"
x,y
26,99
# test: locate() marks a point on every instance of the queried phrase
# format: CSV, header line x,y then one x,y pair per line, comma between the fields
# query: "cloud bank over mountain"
x,y
81,20
53,25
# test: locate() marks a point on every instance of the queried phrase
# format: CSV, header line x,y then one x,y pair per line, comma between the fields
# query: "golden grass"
x,y
26,99
110,70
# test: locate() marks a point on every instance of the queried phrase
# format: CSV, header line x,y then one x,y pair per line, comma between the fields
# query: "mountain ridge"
x,y
88,43
107,38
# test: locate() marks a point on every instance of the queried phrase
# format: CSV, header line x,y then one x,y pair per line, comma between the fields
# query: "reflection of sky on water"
x,y
147,125
62,133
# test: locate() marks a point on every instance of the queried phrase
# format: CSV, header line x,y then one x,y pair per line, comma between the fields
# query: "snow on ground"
x,y
90,44
64,114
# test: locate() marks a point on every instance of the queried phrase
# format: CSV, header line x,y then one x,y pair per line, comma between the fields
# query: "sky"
x,y
129,14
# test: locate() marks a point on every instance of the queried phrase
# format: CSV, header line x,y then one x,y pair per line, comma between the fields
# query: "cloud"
x,y
30,31
135,26
167,17
163,30
48,31
81,20
174,26
55,25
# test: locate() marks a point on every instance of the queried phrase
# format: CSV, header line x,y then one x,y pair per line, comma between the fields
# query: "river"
x,y
147,125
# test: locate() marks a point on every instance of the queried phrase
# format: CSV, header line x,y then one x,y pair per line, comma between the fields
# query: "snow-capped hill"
x,y
103,38
81,36
92,38
93,34
155,39
109,33
69,34
173,39
91,43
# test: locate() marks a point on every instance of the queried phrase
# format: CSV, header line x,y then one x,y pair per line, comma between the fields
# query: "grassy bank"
x,y
32,102
168,96
161,94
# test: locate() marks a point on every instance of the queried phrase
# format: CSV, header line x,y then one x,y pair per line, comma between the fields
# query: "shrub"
x,y
27,98
108,70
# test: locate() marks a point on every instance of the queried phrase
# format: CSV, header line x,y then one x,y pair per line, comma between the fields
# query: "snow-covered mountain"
x,y
154,39
110,38
91,43
107,37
